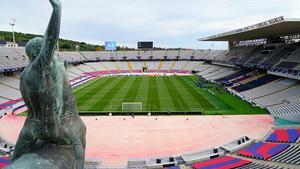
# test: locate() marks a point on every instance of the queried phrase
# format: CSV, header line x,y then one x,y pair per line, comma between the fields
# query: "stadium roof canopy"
x,y
272,28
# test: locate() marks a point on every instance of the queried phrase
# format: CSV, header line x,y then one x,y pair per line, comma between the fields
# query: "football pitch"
x,y
175,94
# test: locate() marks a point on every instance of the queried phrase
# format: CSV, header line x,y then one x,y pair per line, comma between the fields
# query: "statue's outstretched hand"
x,y
55,3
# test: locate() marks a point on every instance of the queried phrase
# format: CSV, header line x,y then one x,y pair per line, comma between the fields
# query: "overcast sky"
x,y
169,23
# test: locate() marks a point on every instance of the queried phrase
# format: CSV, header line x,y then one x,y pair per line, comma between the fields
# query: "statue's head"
x,y
33,48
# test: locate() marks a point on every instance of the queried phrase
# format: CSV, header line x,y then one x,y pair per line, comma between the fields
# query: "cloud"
x,y
173,23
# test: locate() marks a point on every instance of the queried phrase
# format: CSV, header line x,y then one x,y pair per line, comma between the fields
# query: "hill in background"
x,y
64,44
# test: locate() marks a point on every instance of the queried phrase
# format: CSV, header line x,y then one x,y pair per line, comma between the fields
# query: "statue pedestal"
x,y
48,156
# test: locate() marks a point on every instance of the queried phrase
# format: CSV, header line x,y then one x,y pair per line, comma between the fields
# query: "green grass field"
x,y
157,94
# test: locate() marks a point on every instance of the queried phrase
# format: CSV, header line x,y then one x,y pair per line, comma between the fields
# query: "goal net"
x,y
132,106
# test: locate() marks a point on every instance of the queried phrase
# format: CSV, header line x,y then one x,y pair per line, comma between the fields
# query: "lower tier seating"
x,y
263,151
221,163
291,155
259,166
4,161
284,135
175,167
256,83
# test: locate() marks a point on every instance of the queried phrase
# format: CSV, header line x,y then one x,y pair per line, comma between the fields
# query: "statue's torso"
x,y
47,93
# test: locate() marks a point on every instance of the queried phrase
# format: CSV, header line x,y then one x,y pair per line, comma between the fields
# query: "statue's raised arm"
x,y
51,36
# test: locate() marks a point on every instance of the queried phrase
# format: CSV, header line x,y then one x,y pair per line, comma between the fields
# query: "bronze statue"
x,y
52,111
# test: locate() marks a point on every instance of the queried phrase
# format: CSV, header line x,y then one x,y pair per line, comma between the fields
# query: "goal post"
x,y
132,106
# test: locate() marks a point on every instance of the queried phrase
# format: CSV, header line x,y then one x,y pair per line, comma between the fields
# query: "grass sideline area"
x,y
175,94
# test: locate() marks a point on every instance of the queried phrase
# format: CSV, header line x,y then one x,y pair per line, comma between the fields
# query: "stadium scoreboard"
x,y
145,45
110,45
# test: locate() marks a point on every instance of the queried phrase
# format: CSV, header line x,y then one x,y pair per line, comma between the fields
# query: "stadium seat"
x,y
174,167
284,135
4,161
226,162
263,151
259,166
291,156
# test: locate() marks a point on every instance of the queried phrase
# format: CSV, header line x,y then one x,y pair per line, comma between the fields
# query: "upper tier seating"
x,y
286,65
294,56
284,135
214,55
278,54
186,54
201,54
71,56
253,53
252,63
12,58
93,55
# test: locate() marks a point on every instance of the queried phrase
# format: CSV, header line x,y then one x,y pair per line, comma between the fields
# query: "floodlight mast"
x,y
12,23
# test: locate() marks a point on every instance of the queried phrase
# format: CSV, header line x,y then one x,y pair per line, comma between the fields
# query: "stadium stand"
x,y
277,55
10,82
279,95
234,76
263,151
270,88
201,54
238,144
267,91
291,155
285,96
71,57
137,163
260,166
11,59
222,162
288,111
191,158
256,83
4,161
9,93
284,136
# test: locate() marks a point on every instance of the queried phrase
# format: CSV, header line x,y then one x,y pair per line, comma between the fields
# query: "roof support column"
x,y
230,45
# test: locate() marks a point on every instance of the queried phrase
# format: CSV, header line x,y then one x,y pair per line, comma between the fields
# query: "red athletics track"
x,y
113,140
